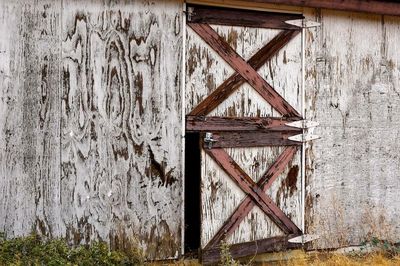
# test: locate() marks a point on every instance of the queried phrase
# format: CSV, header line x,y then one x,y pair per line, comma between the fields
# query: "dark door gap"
x,y
192,192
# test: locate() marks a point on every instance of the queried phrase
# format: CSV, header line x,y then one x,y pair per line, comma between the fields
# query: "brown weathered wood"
x,y
273,244
261,124
236,80
244,18
253,190
384,7
253,139
244,69
247,204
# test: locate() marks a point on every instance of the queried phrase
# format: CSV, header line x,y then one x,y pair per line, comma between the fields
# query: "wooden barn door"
x,y
243,86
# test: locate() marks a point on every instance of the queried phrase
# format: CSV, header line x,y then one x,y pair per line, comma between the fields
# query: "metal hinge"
x,y
209,140
303,137
303,23
303,124
189,13
303,239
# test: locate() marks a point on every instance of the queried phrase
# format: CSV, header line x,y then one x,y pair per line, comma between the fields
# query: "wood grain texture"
x,y
29,120
354,92
121,165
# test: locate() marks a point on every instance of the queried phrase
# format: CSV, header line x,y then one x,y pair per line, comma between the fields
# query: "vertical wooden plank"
x,y
29,120
121,121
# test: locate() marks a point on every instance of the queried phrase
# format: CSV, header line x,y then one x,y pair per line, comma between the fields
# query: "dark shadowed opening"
x,y
192,192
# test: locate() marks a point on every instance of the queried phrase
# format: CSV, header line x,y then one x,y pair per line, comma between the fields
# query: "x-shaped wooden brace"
x,y
255,193
245,71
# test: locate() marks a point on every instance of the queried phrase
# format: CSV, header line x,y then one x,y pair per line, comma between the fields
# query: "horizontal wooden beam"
x,y
218,124
368,6
273,244
236,17
252,139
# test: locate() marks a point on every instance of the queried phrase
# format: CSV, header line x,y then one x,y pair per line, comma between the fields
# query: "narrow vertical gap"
x,y
192,192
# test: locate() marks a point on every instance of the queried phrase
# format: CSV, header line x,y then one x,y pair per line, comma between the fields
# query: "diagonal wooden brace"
x,y
247,204
244,69
253,190
236,80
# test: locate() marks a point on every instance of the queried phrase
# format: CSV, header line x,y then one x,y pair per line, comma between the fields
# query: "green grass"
x,y
32,250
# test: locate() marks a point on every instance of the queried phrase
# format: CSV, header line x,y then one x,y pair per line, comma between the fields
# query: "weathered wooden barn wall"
x,y
91,121
353,88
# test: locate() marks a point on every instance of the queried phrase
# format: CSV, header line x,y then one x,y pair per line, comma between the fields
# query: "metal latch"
x,y
303,239
209,140
189,12
303,124
303,137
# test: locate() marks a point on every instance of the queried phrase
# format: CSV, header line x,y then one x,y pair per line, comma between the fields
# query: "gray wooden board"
x,y
29,121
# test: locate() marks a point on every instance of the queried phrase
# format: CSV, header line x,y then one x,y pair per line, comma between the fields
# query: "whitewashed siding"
x,y
91,119
354,92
